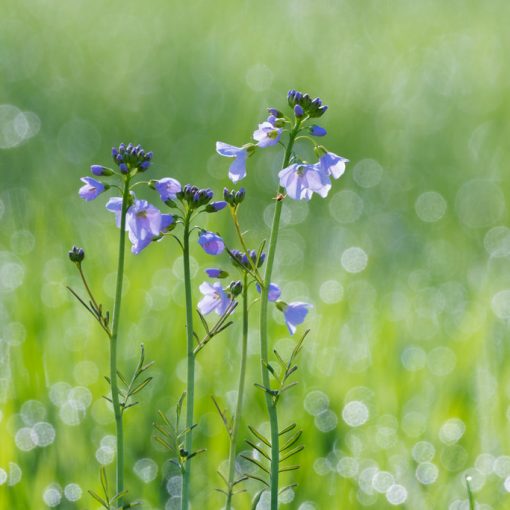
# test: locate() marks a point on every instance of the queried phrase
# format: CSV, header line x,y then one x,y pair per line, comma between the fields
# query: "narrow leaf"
x,y
292,452
262,452
253,477
258,435
256,462
288,468
291,441
99,499
287,429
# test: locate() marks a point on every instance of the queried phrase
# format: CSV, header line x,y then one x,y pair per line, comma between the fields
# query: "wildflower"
x,y
92,188
76,254
302,180
243,261
294,314
144,222
216,206
211,243
237,170
274,292
332,164
215,299
267,134
167,188
131,157
234,198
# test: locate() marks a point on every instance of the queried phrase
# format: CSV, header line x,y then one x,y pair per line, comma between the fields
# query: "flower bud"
x,y
100,170
317,130
236,288
298,111
76,254
239,197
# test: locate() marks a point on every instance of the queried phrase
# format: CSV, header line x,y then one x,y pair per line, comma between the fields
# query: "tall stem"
x,y
190,383
271,405
240,396
113,346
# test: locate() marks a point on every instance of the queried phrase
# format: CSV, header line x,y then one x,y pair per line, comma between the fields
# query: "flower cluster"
x,y
300,179
144,222
247,260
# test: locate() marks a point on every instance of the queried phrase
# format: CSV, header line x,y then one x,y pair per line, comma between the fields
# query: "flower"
x,y
167,188
92,188
211,243
215,299
274,292
267,134
332,164
216,206
144,222
302,180
131,158
237,170
294,314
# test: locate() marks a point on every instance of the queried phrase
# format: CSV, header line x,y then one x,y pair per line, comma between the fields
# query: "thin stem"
x,y
270,404
240,396
113,346
190,383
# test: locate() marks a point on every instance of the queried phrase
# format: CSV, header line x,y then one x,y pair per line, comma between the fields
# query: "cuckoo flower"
x,y
215,299
144,222
211,243
167,188
302,180
237,170
332,164
92,188
267,134
294,314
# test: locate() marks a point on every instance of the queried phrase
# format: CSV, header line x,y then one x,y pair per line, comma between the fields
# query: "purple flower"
x,y
211,243
144,222
267,134
215,299
274,291
294,314
92,188
298,111
332,164
167,188
237,170
302,180
317,130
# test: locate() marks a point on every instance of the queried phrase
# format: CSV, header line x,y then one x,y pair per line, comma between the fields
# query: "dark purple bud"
x,y
216,273
196,198
240,195
76,254
144,165
119,158
275,113
317,130
122,148
262,258
215,207
236,288
129,148
298,111
124,168
114,152
148,156
100,170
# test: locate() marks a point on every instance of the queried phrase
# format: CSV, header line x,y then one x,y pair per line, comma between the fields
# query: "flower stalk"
x,y
270,403
190,382
114,343
240,397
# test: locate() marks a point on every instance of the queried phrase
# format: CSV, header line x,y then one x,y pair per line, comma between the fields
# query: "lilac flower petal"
x,y
274,292
167,220
230,151
168,188
267,135
295,314
92,188
211,243
332,164
215,299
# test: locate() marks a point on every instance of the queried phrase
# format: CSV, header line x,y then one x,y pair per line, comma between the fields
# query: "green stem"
x,y
190,383
113,346
240,395
270,404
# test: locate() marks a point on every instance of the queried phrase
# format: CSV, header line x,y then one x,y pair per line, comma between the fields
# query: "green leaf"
x,y
99,499
291,441
256,462
104,480
288,468
292,452
141,386
292,426
253,477
256,500
262,452
258,435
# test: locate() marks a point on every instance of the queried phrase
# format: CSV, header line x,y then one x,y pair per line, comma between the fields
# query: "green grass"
x,y
418,97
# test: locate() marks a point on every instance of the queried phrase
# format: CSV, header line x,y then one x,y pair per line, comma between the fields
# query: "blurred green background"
x,y
404,388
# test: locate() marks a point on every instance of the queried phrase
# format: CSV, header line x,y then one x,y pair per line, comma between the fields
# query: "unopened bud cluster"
x,y
76,254
243,259
303,104
131,158
233,197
